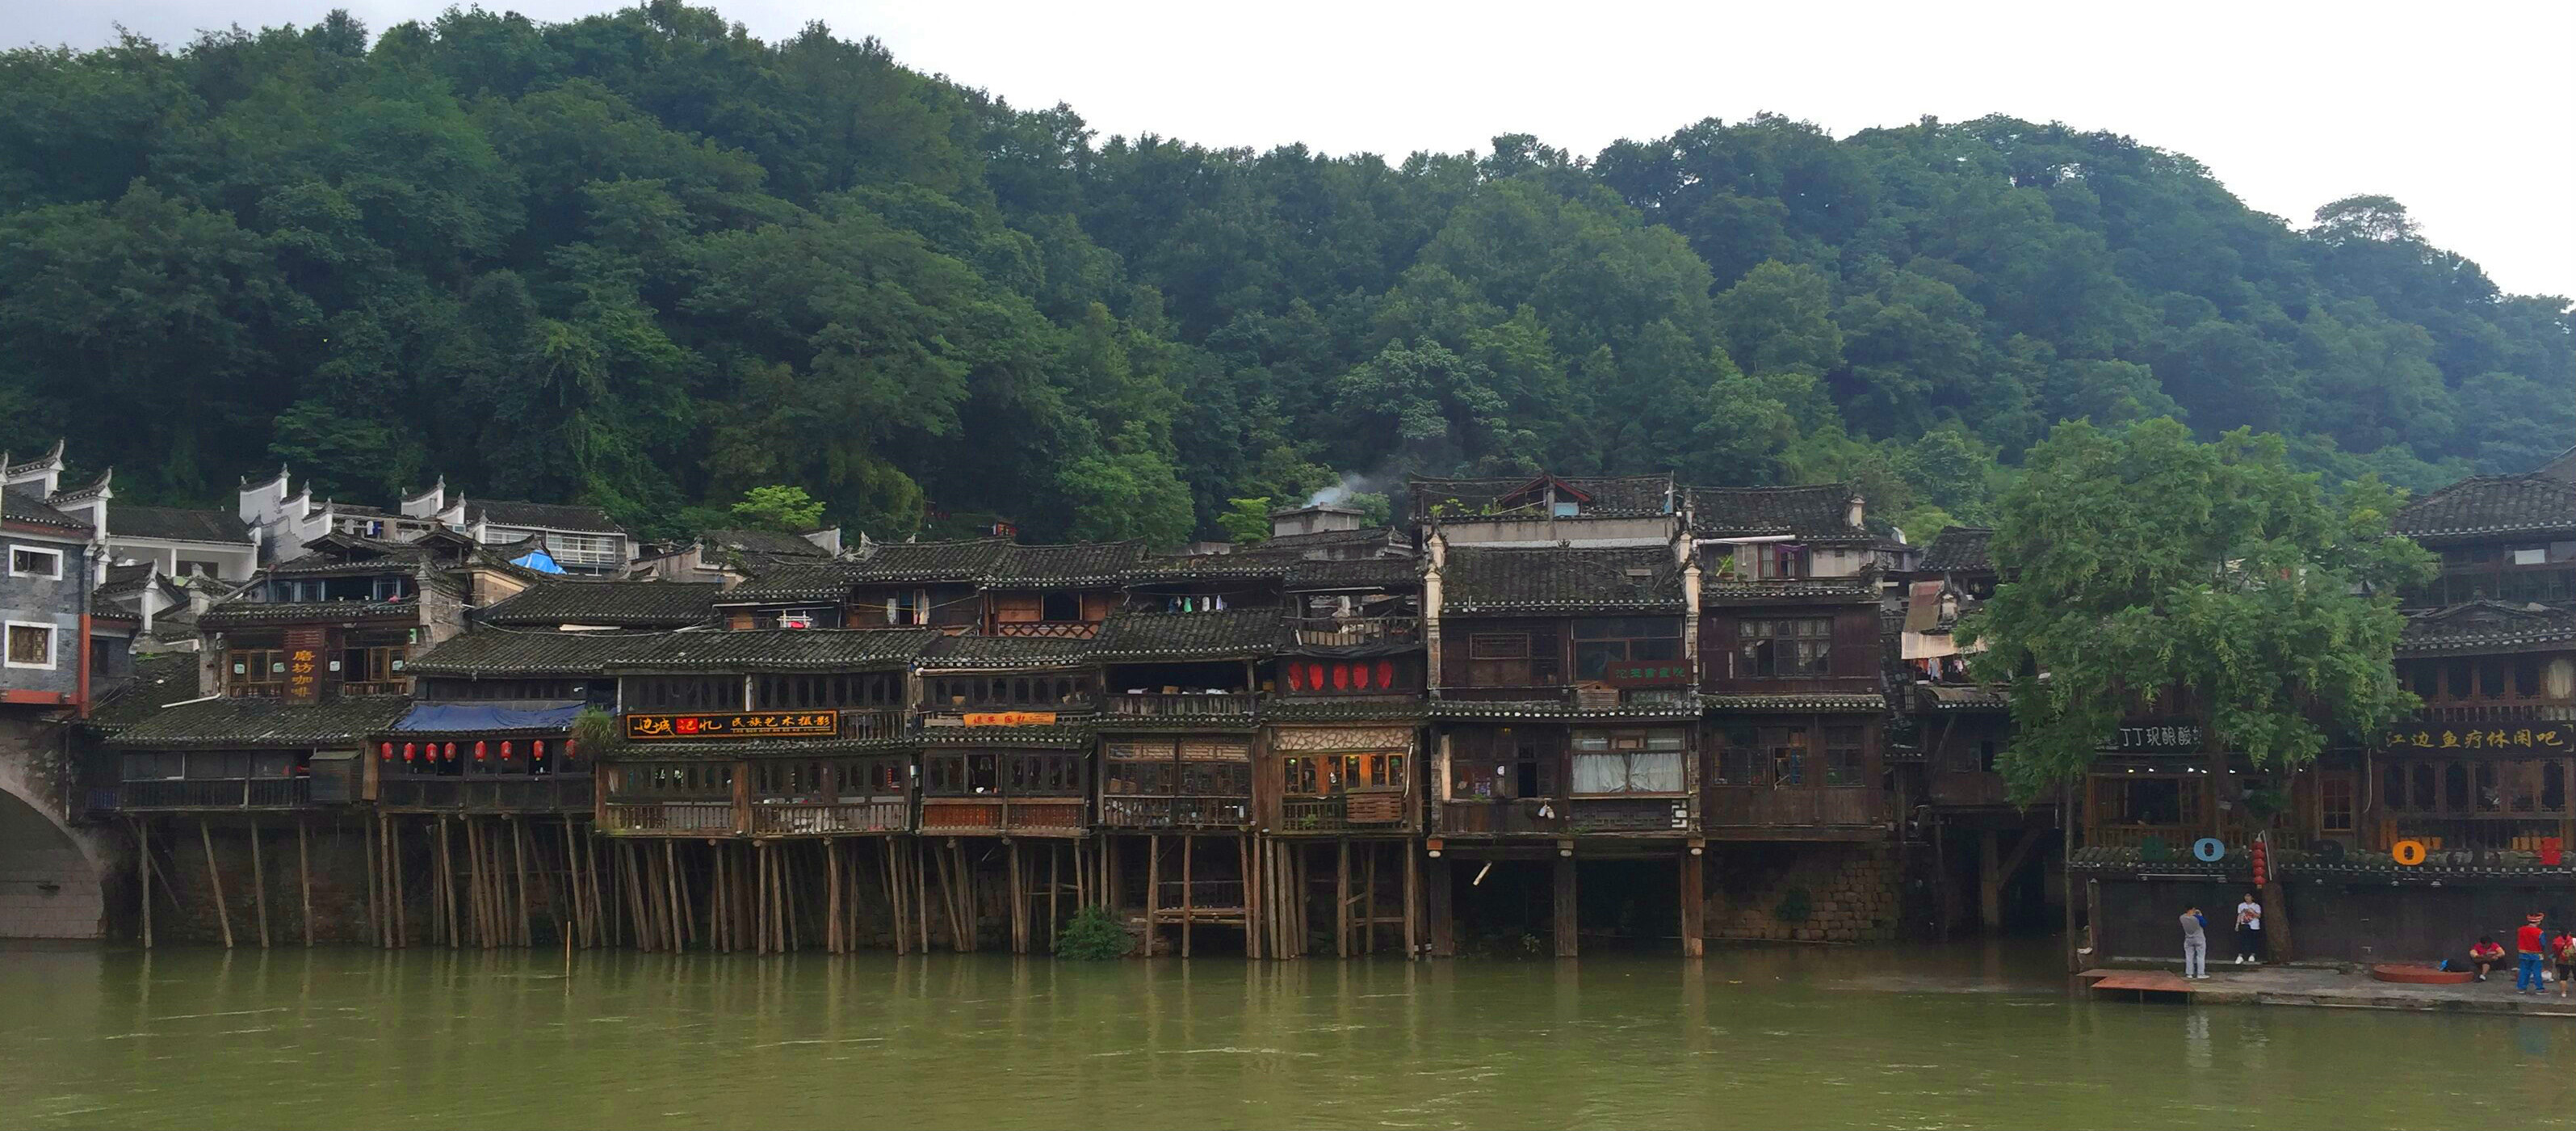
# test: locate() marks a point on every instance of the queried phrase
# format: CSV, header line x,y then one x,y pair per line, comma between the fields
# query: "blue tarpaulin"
x,y
486,717
538,560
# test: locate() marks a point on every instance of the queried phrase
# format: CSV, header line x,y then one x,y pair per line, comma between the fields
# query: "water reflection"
x,y
1753,1037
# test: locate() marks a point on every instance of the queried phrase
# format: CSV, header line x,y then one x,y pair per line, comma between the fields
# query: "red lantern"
x,y
505,750
1341,676
1386,673
1360,676
385,752
537,750
451,752
1296,678
1315,677
479,753
569,744
407,751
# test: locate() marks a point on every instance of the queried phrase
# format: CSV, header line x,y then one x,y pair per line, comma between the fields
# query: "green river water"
x,y
1973,1035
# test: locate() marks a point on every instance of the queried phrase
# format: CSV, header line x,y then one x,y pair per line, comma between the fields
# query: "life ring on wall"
x,y
2407,852
2209,850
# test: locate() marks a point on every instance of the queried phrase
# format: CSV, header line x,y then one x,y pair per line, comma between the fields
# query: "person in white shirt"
x,y
2249,931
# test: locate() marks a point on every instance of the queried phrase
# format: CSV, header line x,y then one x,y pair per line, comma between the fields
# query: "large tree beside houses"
x,y
2148,574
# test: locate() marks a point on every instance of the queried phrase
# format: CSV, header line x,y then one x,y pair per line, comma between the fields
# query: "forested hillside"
x,y
648,261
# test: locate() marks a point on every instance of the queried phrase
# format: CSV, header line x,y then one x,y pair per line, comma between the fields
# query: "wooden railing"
x,y
1198,897
549,793
1787,684
1374,809
1055,629
1629,815
888,815
1132,812
1529,693
1500,818
1185,705
376,687
2177,838
215,793
671,818
255,689
1343,632
873,724
995,816
1794,806
2523,711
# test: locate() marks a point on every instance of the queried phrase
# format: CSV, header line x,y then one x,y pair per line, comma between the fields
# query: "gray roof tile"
x,y
1495,580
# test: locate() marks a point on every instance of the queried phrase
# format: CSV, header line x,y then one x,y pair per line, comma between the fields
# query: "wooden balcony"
x,y
1378,810
1499,818
1048,629
376,687
214,793
1792,685
2525,711
1968,788
1629,815
2177,838
993,816
259,689
1132,812
551,793
1352,632
1794,807
873,724
1186,705
670,818
831,818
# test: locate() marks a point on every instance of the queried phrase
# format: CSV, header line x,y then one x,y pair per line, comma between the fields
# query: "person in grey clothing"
x,y
2195,944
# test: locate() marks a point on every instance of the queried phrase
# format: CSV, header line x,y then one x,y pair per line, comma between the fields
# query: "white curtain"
x,y
1600,773
1655,772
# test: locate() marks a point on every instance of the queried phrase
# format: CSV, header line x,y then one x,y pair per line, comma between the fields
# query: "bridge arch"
x,y
53,877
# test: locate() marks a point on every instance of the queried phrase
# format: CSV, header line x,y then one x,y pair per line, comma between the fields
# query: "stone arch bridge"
x,y
53,873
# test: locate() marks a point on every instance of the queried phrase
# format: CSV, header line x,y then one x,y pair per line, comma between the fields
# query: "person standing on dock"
x,y
2562,953
2527,955
2195,944
2249,931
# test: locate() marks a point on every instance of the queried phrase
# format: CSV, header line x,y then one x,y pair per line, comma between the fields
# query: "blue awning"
x,y
538,560
466,718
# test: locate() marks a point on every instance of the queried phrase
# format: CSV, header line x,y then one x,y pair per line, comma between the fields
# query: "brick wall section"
x,y
1853,892
51,875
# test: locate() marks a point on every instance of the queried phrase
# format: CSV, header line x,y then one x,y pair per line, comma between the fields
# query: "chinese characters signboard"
x,y
1011,719
2515,738
2159,738
749,724
304,648
1646,673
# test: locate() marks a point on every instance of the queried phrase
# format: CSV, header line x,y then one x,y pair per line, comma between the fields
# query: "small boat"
x,y
2419,975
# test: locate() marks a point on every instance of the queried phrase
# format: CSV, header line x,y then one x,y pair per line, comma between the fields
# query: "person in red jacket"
x,y
2485,954
2562,953
2528,955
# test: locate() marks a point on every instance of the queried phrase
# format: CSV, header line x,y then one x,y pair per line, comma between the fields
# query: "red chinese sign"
x,y
304,648
748,724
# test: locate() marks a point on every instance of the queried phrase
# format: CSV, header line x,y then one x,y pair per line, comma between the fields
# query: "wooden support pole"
x,y
1189,898
442,899
1153,892
215,877
1990,887
1368,902
1055,890
305,880
920,885
1694,904
375,902
1019,903
259,885
1438,894
1251,905
143,873
519,853
1412,901
402,906
1568,939
1342,897
832,876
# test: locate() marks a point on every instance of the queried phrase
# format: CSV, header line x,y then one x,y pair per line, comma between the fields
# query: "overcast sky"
x,y
2465,112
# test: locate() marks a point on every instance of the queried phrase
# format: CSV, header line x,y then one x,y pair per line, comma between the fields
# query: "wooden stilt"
x,y
375,901
1019,902
1189,902
1437,896
215,877
1153,893
143,874
1368,901
1412,901
1251,907
402,905
519,857
1694,902
1568,942
259,885
1055,891
1342,897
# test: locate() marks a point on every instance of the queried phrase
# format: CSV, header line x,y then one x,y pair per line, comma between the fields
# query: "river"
x,y
1972,1035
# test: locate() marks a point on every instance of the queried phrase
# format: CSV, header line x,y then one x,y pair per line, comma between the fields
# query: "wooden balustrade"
x,y
1827,806
215,793
1501,818
671,818
514,793
1184,704
823,818
1344,632
1137,812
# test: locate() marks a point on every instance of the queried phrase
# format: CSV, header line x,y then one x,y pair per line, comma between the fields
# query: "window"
x,y
1844,762
26,561
1603,642
683,693
372,665
2150,801
190,567
31,645
1498,646
1786,647
1787,747
583,549
1640,761
1502,765
908,608
1778,561
1323,775
1060,607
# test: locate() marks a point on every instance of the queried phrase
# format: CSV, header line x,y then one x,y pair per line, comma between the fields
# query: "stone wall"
x,y
1852,892
50,873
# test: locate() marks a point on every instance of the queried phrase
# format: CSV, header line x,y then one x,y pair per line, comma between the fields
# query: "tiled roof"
x,y
1363,573
1487,580
1005,652
263,722
1330,539
1079,563
501,651
239,612
762,543
158,681
1817,513
1226,634
1524,496
623,604
543,516
22,506
778,650
1061,736
128,521
1958,549
1961,697
1802,590
966,560
2488,626
790,583
2491,504
1558,709
1406,710
1794,702
123,580
1256,563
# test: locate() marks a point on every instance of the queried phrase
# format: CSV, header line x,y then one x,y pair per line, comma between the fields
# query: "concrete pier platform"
x,y
2330,988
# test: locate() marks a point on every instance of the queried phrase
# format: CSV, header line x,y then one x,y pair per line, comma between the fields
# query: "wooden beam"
x,y
1342,897
215,877
1694,904
1189,902
1412,901
1569,941
143,874
1153,889
1990,886
258,884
